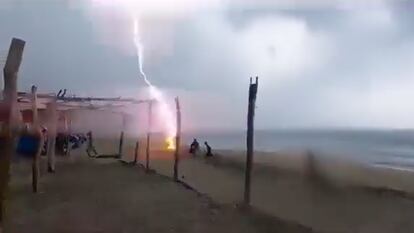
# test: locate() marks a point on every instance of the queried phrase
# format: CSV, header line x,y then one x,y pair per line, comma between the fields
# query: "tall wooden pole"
x,y
250,139
177,139
10,72
53,118
148,135
36,127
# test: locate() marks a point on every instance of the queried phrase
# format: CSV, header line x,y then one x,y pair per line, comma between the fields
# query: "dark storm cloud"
x,y
320,65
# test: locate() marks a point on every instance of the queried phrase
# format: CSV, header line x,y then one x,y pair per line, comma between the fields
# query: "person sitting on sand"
x,y
194,147
74,139
208,148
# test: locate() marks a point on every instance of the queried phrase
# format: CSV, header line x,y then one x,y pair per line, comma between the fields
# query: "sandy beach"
x,y
325,195
91,195
289,189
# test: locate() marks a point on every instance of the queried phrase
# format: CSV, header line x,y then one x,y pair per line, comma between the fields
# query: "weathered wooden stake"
x,y
121,139
36,127
10,72
66,131
177,139
136,153
148,135
121,144
250,139
69,121
51,110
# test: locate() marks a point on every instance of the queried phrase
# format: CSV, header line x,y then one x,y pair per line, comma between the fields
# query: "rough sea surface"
x,y
391,148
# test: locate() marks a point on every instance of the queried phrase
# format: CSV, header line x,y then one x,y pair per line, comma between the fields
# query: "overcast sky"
x,y
321,63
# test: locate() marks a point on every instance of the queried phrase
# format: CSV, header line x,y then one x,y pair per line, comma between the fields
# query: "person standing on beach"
x,y
194,147
208,150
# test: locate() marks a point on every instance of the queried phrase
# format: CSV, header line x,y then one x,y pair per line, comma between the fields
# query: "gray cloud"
x,y
322,65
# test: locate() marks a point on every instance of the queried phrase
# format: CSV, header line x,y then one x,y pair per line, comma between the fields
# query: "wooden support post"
x,y
69,121
136,153
250,139
121,139
121,145
149,129
52,113
9,109
36,127
66,131
177,139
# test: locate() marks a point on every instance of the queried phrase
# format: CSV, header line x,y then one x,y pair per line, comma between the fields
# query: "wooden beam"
x,y
177,139
250,139
52,130
9,107
149,129
89,99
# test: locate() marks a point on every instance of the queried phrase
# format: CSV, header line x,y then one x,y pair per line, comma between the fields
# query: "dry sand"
x,y
89,195
328,196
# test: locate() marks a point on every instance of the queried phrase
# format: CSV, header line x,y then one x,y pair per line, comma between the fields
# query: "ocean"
x,y
393,148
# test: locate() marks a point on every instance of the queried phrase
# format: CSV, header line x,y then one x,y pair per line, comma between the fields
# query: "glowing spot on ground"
x,y
170,143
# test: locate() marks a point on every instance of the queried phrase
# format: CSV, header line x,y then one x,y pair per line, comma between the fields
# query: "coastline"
x,y
338,171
